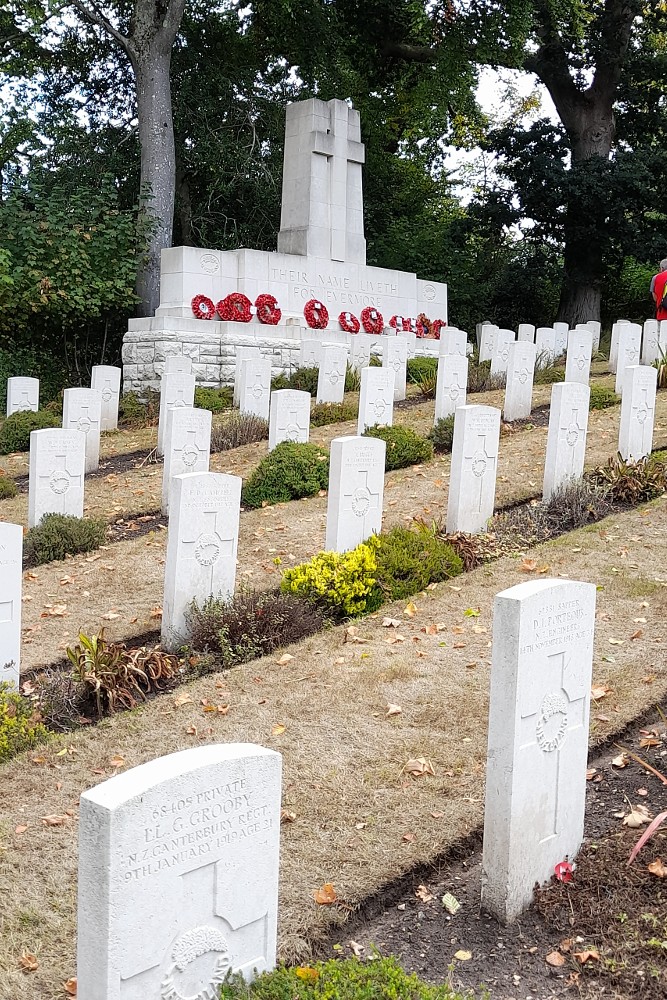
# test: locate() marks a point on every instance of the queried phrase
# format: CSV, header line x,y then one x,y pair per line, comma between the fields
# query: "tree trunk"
x,y
158,165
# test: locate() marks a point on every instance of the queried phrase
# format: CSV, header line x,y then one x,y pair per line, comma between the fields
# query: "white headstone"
x,y
628,351
202,542
410,338
360,351
242,354
356,490
561,331
650,342
472,483
545,342
541,670
487,335
595,327
331,376
178,874
22,394
452,385
11,578
579,351
310,352
395,356
176,389
501,348
519,383
376,399
177,363
187,445
322,202
566,439
57,470
635,438
106,378
290,416
526,333
613,350
453,341
82,411
255,387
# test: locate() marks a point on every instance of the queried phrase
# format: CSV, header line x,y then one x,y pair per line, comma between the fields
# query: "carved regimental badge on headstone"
x,y
178,875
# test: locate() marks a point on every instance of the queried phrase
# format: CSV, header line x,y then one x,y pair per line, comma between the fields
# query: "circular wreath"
x,y
436,327
203,307
405,322
236,307
424,326
316,313
372,320
348,322
267,310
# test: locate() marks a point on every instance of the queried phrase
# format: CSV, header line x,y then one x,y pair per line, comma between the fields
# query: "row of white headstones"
x,y
204,507
178,858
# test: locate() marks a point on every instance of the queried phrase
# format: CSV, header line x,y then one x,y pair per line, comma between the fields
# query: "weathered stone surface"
x,y
289,418
635,438
356,490
519,382
566,439
57,470
472,484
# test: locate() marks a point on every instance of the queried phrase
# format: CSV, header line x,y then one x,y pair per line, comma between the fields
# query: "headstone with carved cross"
x,y
57,470
453,341
187,446
255,386
178,875
242,354
331,375
376,398
360,351
310,352
322,201
395,356
635,436
106,378
82,411
566,438
501,349
487,333
202,543
11,578
472,484
545,342
356,490
650,342
615,333
561,331
538,738
595,326
519,383
176,389
289,419
22,394
579,353
628,352
451,386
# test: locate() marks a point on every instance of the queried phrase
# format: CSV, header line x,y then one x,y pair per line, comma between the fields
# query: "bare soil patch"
x,y
344,758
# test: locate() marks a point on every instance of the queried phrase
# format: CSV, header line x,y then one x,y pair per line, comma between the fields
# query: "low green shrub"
x,y
8,488
250,625
548,373
352,379
442,435
337,979
404,446
479,375
602,397
332,413
304,379
340,583
215,400
375,362
57,536
134,412
236,429
20,724
280,382
407,561
419,368
15,432
289,472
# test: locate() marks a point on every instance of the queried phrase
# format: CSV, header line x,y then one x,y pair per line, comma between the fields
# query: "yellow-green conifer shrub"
x,y
340,582
20,728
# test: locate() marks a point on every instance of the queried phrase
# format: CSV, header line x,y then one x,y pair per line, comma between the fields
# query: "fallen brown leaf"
x,y
418,766
393,709
28,962
326,895
423,893
70,987
587,956
555,959
658,868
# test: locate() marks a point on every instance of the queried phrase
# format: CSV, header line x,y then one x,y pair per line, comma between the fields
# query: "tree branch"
x,y
411,53
172,21
618,18
91,13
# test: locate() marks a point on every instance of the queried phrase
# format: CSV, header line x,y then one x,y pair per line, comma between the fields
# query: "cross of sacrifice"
x,y
59,479
358,498
339,150
208,545
551,710
481,462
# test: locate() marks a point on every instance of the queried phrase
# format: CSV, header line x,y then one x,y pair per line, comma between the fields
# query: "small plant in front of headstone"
x,y
409,560
135,412
404,446
442,435
549,373
340,583
117,677
304,379
236,429
15,432
352,379
332,413
575,503
289,472
419,368
602,397
58,535
21,727
8,488
633,482
215,400
479,375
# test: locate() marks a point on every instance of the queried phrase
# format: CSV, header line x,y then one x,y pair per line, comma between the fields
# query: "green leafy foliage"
x,y
407,561
31,363
632,482
442,435
340,583
249,625
304,379
418,368
8,488
289,472
404,446
602,397
332,413
58,535
15,432
236,429
135,412
348,979
20,724
215,400
547,374
479,375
